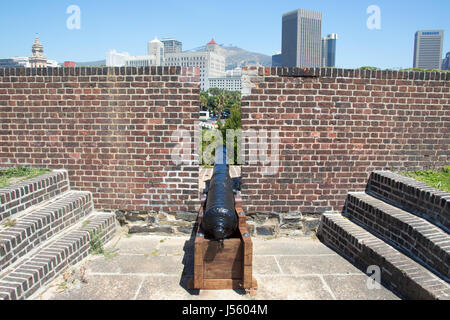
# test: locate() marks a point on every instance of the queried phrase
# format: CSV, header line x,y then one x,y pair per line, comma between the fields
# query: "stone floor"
x,y
157,268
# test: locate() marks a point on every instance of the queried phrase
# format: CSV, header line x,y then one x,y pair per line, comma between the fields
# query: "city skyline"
x,y
128,26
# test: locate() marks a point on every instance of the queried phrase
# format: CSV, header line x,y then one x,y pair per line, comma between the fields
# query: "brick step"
x,y
48,261
399,273
414,236
40,223
31,192
411,195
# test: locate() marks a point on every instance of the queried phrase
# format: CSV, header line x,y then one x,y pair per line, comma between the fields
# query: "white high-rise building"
x,y
142,61
232,81
210,62
156,50
155,57
229,83
116,59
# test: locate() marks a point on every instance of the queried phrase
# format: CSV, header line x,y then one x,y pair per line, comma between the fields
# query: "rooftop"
x,y
212,42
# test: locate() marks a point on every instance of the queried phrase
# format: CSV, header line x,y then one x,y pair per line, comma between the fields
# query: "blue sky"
x,y
250,24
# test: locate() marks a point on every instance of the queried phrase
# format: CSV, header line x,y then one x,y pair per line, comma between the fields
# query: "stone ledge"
x,y
98,71
416,237
411,195
50,261
347,73
37,226
398,272
20,196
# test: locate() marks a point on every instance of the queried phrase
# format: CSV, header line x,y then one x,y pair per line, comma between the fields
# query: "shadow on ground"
x,y
188,262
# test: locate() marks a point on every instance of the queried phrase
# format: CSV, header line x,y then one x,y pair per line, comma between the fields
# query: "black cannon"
x,y
220,220
223,248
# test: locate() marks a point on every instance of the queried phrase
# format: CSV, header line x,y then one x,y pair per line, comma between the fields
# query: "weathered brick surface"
x,y
413,235
336,126
398,272
111,128
20,196
412,195
44,265
41,224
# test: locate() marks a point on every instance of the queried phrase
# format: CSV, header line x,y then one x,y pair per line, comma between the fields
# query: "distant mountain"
x,y
91,63
237,57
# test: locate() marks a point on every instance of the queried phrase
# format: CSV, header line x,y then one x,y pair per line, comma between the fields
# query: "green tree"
x,y
203,99
221,99
217,101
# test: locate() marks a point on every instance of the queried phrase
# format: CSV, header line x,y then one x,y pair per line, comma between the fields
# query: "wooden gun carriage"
x,y
224,266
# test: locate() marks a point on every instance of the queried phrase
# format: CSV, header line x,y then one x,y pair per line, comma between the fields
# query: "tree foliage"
x,y
218,100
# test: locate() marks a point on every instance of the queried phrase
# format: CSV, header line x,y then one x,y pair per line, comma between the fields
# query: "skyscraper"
x,y
446,62
302,39
172,45
156,49
428,49
329,50
276,60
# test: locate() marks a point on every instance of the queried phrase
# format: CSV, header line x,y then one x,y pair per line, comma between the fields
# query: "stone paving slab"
x,y
263,265
175,290
136,245
292,288
354,288
158,267
103,287
301,265
288,247
137,264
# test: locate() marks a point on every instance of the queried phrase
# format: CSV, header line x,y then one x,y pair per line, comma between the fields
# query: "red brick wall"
x,y
110,128
336,126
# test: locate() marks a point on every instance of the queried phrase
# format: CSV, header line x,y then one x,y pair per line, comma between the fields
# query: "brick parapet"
x,y
347,73
100,71
336,126
111,128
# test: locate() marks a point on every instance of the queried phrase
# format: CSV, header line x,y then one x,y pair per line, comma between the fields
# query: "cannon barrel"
x,y
220,220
